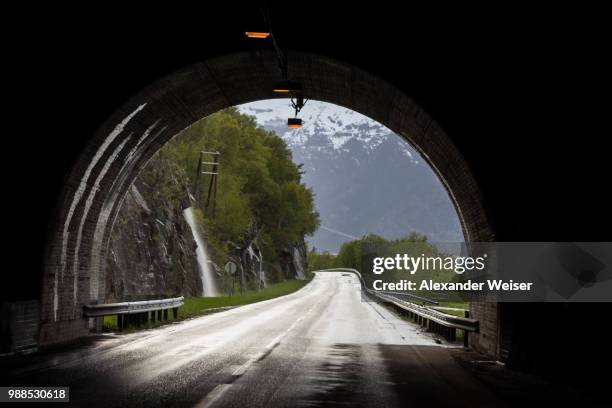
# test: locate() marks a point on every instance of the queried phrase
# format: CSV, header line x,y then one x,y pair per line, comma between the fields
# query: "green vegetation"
x,y
198,306
457,305
319,261
259,187
352,253
359,254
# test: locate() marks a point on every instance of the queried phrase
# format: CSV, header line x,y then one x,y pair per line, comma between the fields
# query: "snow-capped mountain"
x,y
366,179
330,124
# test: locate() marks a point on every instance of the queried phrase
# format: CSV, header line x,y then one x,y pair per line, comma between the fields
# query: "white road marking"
x,y
212,396
220,389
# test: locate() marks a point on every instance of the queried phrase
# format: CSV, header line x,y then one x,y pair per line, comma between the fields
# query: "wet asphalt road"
x,y
321,346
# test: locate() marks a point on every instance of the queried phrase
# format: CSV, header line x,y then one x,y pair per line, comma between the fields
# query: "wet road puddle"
x,y
339,381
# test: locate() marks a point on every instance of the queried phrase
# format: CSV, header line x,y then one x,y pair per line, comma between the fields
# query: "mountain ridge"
x,y
366,178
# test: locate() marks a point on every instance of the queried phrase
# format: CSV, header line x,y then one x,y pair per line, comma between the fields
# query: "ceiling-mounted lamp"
x,y
287,86
294,123
257,34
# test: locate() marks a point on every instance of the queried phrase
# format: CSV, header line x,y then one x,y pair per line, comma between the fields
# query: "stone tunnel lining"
x,y
93,192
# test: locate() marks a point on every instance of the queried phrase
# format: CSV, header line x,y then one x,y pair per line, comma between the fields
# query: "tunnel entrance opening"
x,y
94,190
274,182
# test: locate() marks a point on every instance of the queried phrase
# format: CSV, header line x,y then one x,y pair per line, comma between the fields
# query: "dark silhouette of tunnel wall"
x,y
94,189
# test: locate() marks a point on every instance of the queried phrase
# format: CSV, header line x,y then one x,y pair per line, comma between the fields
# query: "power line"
x,y
338,232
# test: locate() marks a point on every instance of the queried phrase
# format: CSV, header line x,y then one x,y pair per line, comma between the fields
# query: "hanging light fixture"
x,y
257,34
298,102
294,123
287,86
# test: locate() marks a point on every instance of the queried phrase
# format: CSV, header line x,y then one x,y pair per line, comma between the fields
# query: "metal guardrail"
x,y
438,317
435,320
132,307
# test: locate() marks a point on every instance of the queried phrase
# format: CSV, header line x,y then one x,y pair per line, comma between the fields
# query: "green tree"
x,y
258,183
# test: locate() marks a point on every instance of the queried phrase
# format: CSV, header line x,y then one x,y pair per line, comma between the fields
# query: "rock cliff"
x,y
152,250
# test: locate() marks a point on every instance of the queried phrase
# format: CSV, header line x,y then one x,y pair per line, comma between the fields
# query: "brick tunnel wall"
x,y
487,338
92,196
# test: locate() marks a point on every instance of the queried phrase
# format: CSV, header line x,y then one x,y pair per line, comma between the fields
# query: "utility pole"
x,y
213,172
197,188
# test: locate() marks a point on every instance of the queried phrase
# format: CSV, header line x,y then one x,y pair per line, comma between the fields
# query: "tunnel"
x,y
500,113
93,192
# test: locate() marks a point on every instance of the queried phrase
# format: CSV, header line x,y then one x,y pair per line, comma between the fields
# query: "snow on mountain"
x,y
338,124
366,179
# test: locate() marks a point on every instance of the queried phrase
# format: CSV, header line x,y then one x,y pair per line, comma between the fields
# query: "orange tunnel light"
x,y
287,86
257,34
294,123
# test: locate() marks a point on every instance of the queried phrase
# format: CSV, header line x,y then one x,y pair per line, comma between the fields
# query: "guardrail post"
x,y
159,315
165,314
466,333
153,316
175,312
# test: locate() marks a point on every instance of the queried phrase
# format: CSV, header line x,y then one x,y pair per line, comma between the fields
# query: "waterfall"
x,y
297,262
258,268
209,283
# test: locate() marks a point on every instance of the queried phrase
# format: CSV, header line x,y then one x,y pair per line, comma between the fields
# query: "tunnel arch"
x,y
94,189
